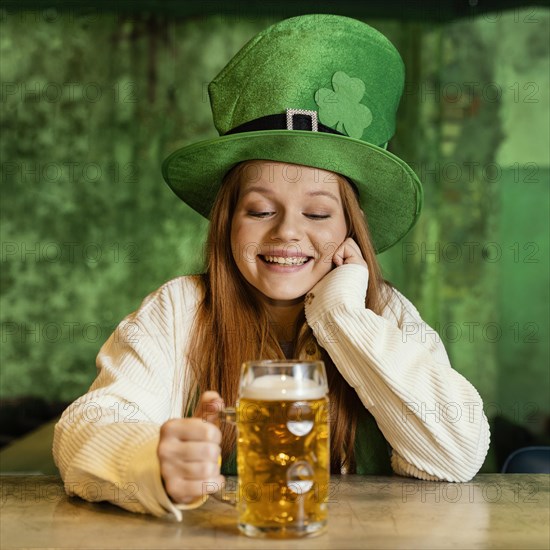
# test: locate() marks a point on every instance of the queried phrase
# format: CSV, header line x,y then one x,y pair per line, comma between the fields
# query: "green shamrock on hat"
x,y
342,107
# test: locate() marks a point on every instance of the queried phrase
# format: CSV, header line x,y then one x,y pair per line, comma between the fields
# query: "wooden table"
x,y
491,511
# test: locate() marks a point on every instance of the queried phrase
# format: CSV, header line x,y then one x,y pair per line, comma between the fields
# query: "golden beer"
x,y
282,457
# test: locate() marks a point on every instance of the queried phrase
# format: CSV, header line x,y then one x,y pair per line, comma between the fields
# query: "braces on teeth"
x,y
287,261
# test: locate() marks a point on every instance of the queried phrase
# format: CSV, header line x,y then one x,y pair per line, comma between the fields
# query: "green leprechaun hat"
x,y
316,90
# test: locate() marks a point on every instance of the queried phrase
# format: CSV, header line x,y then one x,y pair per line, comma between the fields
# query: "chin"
x,y
282,295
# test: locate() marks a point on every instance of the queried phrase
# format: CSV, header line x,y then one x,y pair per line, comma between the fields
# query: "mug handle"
x,y
228,415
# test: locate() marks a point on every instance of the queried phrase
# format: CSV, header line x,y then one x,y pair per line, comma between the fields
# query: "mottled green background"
x,y
92,103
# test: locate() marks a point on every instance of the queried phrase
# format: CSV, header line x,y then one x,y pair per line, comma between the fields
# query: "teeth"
x,y
297,260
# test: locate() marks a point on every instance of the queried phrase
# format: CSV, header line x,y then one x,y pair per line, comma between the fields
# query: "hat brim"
x,y
390,192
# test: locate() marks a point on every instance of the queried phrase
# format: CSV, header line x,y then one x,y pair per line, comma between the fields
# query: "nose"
x,y
286,228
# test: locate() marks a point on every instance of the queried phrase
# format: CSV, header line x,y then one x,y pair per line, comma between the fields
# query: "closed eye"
x,y
267,214
317,216
260,214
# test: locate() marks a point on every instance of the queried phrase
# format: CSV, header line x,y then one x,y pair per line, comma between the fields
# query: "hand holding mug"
x,y
189,452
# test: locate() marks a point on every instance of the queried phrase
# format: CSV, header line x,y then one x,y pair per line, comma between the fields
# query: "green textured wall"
x,y
91,105
475,125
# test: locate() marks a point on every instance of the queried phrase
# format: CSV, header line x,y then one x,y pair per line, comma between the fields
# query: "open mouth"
x,y
287,260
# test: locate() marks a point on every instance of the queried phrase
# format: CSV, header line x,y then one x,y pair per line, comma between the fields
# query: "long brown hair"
x,y
232,326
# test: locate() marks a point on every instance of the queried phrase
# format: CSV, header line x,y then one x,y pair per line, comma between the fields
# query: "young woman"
x,y
291,271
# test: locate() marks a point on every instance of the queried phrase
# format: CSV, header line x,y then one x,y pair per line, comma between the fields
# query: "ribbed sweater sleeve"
x,y
429,413
105,444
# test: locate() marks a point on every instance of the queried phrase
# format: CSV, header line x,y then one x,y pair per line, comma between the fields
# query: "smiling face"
x,y
287,224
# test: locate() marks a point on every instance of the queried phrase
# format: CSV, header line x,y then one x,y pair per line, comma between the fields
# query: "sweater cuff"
x,y
344,285
144,468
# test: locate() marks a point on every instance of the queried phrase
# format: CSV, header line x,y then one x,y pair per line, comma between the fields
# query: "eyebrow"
x,y
267,191
324,194
257,189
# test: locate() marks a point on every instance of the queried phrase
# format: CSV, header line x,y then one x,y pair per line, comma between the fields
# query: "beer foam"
x,y
275,387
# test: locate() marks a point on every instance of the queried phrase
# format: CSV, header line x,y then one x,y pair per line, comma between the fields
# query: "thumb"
x,y
209,407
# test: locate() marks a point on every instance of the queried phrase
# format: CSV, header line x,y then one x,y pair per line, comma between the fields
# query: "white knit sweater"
x,y
105,443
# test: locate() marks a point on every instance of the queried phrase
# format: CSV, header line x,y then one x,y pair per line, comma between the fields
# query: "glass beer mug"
x,y
283,461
